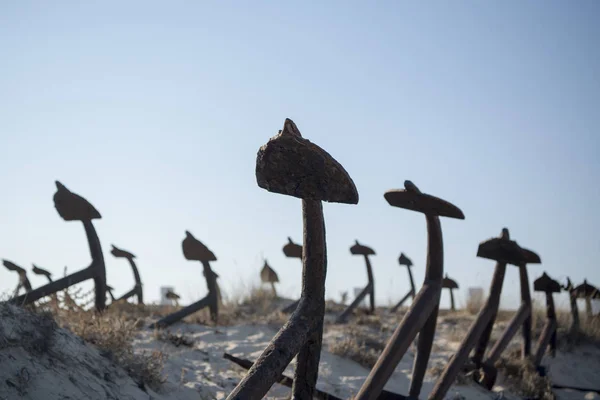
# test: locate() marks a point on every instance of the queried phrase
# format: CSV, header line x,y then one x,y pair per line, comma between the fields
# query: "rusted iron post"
x,y
404,260
23,280
268,275
359,249
548,337
292,250
421,318
291,165
194,250
525,299
503,251
137,289
72,207
450,284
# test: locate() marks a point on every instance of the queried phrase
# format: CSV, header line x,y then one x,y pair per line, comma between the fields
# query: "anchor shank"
x,y
433,273
371,283
492,303
426,301
525,299
523,313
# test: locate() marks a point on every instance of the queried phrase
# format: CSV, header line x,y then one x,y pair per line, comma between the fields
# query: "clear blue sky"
x,y
154,112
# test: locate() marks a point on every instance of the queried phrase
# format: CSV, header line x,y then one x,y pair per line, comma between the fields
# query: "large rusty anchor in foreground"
x,y
291,165
72,207
421,318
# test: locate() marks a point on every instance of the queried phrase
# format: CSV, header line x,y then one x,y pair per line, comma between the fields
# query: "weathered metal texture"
x,y
361,250
404,260
72,207
289,164
503,251
23,280
194,250
548,337
268,275
450,284
292,250
422,316
138,287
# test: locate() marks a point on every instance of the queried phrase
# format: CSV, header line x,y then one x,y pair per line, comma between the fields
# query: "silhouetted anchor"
x,y
173,297
548,337
292,250
587,292
23,280
450,284
359,249
403,260
522,319
573,303
268,275
194,250
110,290
137,289
343,297
421,318
40,271
72,207
291,165
503,251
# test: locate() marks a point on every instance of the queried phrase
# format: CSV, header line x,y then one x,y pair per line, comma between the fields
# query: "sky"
x,y
154,112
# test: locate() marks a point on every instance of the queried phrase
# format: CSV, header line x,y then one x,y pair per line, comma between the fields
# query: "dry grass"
x,y
358,347
474,304
253,303
364,337
589,329
113,333
523,378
